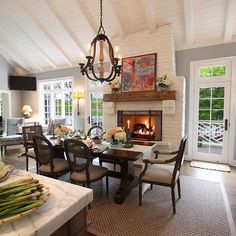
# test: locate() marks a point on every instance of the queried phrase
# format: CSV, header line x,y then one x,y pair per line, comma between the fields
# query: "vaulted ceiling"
x,y
43,35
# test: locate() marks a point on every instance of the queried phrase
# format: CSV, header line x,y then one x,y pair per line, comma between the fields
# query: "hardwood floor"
x,y
227,179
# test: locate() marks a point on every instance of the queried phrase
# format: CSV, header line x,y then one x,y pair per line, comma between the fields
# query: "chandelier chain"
x,y
101,28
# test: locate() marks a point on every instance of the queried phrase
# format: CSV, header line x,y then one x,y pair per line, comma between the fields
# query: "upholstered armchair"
x,y
160,172
11,134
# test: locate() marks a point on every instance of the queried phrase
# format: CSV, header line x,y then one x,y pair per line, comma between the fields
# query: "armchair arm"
x,y
155,161
157,152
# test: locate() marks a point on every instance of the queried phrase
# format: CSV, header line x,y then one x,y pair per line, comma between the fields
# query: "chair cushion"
x,y
96,172
161,173
31,153
59,165
11,138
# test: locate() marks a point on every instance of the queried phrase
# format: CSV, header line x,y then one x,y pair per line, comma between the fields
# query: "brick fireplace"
x,y
143,125
173,114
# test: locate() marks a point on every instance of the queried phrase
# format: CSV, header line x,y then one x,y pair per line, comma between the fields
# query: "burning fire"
x,y
144,132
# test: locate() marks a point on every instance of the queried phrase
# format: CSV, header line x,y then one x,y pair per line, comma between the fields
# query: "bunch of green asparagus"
x,y
20,196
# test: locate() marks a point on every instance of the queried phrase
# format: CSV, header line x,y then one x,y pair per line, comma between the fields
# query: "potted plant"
x,y
115,86
163,82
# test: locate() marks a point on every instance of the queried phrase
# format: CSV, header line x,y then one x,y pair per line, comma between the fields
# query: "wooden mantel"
x,y
140,96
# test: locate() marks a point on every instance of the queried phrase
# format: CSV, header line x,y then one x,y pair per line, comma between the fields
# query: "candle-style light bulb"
x,y
128,123
82,59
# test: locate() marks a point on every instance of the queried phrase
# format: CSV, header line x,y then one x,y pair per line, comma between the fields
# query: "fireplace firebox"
x,y
143,125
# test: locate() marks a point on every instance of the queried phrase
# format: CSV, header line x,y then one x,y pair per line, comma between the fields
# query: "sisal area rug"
x,y
203,210
210,166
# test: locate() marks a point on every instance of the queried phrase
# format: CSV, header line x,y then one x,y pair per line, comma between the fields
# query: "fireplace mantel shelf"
x,y
140,96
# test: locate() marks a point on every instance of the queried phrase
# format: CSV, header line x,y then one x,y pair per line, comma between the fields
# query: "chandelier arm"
x,y
95,76
89,77
83,66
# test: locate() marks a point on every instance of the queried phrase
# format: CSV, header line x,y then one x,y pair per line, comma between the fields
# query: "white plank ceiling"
x,y
44,35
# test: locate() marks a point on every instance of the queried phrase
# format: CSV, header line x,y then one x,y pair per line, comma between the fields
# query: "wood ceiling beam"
x,y
11,59
188,18
26,35
116,16
7,41
46,33
150,15
86,18
230,20
66,27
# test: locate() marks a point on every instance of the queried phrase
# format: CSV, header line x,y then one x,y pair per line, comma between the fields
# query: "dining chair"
x,y
160,172
81,170
94,131
97,130
28,133
49,164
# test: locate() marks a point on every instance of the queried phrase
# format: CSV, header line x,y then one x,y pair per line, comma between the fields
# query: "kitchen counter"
x,y
64,213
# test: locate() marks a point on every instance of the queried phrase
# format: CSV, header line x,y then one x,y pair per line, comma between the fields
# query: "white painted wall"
x,y
145,42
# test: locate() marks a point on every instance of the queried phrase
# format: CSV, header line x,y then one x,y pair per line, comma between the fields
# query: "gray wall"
x,y
16,99
184,57
5,70
32,99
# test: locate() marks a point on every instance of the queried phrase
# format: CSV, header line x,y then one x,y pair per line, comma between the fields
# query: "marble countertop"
x,y
66,201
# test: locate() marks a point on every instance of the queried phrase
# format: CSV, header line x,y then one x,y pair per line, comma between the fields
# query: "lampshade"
x,y
78,95
26,109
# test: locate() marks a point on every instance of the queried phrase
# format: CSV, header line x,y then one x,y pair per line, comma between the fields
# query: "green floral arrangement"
x,y
115,84
163,82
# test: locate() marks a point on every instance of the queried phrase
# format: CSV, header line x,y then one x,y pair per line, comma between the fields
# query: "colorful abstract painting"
x,y
139,73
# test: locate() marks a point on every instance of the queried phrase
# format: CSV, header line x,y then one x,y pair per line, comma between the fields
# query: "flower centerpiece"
x,y
115,136
163,82
115,86
62,130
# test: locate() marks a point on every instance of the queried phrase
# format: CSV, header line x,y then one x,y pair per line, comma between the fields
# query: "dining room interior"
x,y
117,118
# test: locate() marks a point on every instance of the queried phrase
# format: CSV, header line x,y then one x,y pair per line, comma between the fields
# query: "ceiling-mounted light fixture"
x,y
88,68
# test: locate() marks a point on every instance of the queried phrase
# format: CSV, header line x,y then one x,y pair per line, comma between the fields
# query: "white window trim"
x,y
192,92
40,100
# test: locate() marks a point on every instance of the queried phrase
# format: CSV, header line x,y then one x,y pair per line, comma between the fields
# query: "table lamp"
x,y
26,110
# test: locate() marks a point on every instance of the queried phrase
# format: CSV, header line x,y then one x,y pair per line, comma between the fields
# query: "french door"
x,y
211,122
210,107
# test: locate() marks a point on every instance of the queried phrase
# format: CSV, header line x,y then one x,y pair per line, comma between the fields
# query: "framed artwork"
x,y
139,73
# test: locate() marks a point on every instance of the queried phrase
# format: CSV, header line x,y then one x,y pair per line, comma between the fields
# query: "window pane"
x,y
205,72
204,115
97,109
57,85
218,92
205,93
217,104
219,70
212,71
204,103
217,115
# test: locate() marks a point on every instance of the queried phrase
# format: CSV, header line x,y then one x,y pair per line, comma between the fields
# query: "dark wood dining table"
x,y
127,177
125,158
